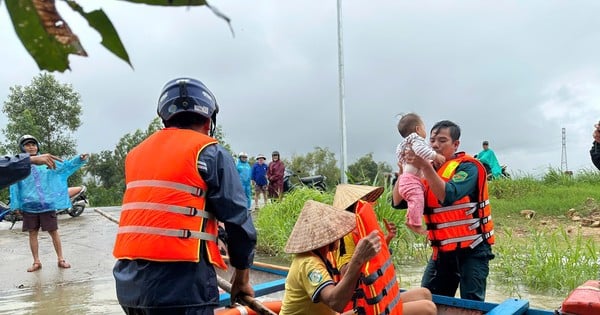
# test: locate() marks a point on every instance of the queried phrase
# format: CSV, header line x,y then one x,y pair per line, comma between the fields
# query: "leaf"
x,y
99,21
43,32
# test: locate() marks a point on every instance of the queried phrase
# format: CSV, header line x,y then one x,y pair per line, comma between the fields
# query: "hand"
x,y
84,156
45,159
240,285
415,160
392,231
439,160
368,247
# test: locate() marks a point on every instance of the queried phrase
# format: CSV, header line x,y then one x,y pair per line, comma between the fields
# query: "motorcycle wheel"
x,y
76,211
320,187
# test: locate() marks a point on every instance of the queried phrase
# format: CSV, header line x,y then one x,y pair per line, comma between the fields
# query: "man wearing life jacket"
x,y
180,182
458,217
309,286
378,291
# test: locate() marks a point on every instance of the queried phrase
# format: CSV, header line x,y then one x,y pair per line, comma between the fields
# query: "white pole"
x,y
344,180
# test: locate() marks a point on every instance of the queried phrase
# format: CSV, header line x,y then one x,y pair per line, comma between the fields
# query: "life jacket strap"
x,y
188,211
476,238
371,278
180,233
196,191
384,292
472,207
473,223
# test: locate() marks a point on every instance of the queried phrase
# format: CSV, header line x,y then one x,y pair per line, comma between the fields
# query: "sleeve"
x,y
422,148
14,168
225,198
349,247
15,201
463,183
316,277
70,166
595,154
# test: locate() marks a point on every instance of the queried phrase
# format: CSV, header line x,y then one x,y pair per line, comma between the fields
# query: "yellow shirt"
x,y
349,246
306,278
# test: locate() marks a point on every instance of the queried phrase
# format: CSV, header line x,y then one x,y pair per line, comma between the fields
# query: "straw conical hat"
x,y
347,194
319,224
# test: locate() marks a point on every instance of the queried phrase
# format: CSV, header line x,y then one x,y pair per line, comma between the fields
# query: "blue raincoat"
x,y
245,171
45,189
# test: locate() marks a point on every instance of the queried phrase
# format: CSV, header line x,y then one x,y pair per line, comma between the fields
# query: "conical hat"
x,y
347,194
318,225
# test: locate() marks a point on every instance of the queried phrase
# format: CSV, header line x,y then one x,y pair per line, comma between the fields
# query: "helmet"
x,y
275,153
187,95
28,138
243,154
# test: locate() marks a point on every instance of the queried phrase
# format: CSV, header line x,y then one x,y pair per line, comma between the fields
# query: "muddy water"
x,y
88,287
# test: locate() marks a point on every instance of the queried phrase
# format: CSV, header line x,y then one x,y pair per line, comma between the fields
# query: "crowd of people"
x,y
166,243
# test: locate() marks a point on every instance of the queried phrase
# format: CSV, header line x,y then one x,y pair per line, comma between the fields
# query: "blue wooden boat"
x,y
446,305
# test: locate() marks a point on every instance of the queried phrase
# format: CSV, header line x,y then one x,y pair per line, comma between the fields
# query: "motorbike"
x,y
315,182
78,198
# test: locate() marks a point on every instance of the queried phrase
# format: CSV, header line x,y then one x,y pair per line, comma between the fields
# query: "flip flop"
x,y
63,264
35,267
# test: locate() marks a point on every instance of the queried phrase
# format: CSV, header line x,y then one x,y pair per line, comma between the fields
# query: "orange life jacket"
x,y
378,291
464,224
163,216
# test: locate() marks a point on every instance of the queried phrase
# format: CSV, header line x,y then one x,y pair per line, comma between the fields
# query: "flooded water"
x,y
88,287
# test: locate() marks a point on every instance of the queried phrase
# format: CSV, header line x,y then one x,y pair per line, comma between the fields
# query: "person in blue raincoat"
x,y
245,171
489,160
39,195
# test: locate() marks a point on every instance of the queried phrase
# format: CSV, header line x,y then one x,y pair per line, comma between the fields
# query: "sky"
x,y
511,72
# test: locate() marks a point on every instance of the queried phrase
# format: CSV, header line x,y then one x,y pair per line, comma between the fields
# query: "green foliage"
x,y
553,262
49,40
220,135
319,162
275,221
367,172
46,109
107,169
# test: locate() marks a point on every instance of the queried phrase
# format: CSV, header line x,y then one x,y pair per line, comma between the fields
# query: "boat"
x,y
446,305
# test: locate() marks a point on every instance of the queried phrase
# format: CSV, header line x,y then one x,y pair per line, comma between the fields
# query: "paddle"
x,y
247,300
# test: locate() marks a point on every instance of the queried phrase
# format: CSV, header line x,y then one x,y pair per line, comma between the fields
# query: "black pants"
x,y
468,268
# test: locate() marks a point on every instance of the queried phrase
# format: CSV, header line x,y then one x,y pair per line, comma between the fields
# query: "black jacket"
x,y
595,154
14,168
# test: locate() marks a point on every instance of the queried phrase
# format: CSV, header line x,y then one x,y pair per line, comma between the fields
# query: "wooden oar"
x,y
264,265
247,300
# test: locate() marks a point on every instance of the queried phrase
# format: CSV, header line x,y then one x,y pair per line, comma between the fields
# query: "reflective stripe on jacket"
x,y
378,291
163,216
464,224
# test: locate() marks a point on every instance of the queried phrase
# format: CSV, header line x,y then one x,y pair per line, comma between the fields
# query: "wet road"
x,y
86,288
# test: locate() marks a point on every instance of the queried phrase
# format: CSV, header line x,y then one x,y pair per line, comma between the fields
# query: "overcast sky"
x,y
511,72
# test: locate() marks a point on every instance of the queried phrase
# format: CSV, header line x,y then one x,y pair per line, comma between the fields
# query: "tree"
x,y
47,110
366,171
49,39
319,162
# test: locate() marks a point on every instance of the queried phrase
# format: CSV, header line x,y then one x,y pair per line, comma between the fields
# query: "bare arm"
x,y
45,159
240,284
337,296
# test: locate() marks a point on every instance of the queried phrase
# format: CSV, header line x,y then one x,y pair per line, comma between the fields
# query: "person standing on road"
x,y
180,182
595,150
245,171
259,179
39,196
275,173
458,217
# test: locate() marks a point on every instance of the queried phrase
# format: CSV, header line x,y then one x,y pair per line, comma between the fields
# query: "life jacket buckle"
x,y
193,212
185,233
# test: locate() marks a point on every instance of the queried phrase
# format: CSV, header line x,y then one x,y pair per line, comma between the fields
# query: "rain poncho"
x,y
245,171
45,189
489,157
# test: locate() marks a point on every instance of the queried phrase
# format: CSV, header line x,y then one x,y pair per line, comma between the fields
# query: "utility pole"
x,y
563,160
343,178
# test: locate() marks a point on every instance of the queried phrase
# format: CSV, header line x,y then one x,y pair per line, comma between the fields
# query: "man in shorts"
x,y
39,195
259,179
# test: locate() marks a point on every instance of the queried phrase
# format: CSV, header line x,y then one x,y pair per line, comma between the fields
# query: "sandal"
x,y
63,264
35,267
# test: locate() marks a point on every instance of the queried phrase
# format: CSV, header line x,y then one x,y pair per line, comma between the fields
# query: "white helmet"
x,y
244,154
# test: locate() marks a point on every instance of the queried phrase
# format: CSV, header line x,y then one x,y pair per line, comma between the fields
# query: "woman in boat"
x,y
359,199
309,287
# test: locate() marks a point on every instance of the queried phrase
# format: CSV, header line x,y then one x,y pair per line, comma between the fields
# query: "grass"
x,y
548,254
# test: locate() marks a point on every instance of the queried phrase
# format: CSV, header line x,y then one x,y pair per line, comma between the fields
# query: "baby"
x,y
412,129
